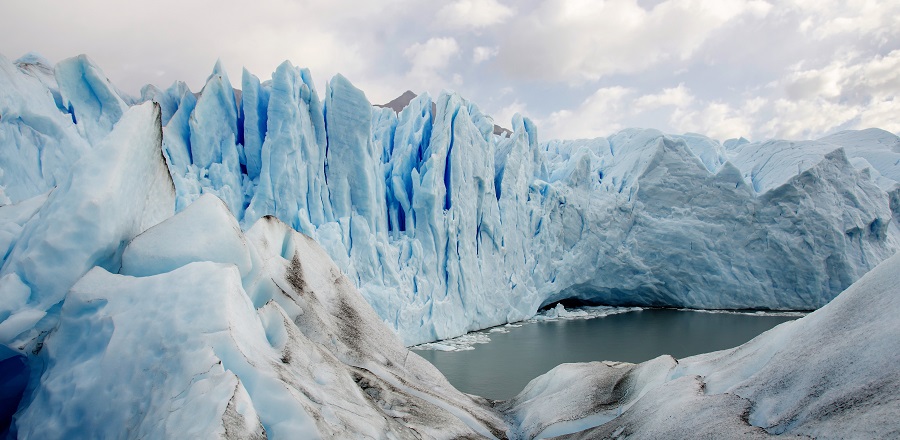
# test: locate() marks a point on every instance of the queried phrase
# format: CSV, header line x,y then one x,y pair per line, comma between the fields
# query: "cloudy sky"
x,y
580,68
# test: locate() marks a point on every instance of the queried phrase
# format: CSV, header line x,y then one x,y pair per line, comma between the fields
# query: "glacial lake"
x,y
501,368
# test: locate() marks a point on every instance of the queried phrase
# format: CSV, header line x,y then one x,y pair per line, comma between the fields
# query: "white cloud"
x,y
792,68
127,42
577,40
806,119
473,14
848,93
503,117
431,56
676,96
717,120
829,18
882,114
429,62
482,53
847,80
599,115
851,93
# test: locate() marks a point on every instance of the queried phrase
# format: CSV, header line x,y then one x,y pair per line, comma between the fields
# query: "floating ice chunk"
x,y
459,343
559,312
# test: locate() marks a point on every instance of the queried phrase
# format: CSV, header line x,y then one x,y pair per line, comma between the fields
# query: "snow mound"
x,y
155,357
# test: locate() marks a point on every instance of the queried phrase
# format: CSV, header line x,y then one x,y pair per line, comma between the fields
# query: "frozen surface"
x,y
447,228
558,313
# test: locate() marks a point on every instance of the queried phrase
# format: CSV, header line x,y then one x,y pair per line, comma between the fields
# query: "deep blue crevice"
x,y
401,219
448,160
14,375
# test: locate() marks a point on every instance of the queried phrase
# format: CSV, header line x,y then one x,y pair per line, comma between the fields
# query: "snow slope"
x,y
446,227
831,374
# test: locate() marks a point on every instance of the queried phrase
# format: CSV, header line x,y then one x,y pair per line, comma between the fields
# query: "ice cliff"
x,y
447,227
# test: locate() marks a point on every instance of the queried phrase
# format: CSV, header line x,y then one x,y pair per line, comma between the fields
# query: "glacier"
x,y
447,227
253,263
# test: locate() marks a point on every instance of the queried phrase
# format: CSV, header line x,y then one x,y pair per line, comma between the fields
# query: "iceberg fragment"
x,y
39,141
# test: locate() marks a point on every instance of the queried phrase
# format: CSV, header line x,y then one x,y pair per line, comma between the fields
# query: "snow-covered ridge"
x,y
447,228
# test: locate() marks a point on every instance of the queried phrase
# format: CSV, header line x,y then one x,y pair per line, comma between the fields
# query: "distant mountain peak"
x,y
400,102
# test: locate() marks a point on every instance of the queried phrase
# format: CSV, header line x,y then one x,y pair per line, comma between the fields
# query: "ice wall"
x,y
447,227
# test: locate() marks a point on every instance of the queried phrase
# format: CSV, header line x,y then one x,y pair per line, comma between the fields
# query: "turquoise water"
x,y
501,368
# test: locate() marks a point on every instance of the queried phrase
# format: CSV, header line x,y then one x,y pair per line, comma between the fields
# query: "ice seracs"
x,y
447,227
89,96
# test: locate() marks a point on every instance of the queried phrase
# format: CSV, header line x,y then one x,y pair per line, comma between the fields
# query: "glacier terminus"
x,y
446,227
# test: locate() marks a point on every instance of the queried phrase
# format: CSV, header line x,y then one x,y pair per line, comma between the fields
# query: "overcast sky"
x,y
579,68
